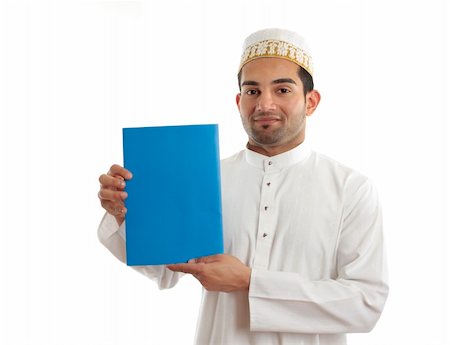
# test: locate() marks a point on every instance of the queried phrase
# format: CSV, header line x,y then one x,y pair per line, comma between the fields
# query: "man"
x,y
304,260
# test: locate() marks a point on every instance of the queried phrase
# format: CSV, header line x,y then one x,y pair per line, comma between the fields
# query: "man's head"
x,y
276,90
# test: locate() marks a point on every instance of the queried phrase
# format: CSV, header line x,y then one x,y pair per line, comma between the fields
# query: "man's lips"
x,y
266,120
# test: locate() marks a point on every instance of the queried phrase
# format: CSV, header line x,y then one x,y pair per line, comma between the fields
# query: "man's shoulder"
x,y
325,164
332,163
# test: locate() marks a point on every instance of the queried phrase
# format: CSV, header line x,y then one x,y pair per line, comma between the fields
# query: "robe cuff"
x,y
265,286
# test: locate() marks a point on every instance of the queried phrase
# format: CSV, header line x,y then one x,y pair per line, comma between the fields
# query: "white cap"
x,y
278,43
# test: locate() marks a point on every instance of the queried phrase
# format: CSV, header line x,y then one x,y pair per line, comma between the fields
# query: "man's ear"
x,y
312,101
238,101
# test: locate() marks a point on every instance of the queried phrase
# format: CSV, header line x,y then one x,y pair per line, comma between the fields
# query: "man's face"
x,y
272,103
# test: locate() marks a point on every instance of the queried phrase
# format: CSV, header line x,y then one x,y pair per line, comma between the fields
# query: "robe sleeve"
x,y
113,238
350,302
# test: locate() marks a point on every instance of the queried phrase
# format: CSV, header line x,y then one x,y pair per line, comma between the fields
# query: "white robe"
x,y
311,230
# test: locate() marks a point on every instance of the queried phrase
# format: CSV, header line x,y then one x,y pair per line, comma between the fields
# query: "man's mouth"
x,y
266,120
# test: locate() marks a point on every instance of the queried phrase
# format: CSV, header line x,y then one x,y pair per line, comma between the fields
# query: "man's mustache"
x,y
266,116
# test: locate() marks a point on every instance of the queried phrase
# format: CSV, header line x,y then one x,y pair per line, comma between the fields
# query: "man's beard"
x,y
265,135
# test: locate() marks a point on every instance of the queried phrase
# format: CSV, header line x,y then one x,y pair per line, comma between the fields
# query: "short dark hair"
x,y
303,74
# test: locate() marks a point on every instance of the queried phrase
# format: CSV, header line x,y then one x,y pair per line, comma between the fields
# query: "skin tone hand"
x,y
112,192
220,272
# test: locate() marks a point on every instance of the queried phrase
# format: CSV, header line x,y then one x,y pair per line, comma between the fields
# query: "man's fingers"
x,y
119,171
186,268
206,259
112,195
112,192
109,181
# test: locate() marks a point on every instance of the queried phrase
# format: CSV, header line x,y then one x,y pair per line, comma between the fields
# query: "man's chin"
x,y
268,130
266,139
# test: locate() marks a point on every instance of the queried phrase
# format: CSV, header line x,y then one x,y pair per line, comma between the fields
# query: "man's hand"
x,y
112,193
220,272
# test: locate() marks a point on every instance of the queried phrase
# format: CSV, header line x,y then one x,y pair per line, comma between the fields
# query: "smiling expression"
x,y
272,104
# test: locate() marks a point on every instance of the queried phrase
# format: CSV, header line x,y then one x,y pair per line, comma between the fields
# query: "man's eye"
x,y
251,92
283,90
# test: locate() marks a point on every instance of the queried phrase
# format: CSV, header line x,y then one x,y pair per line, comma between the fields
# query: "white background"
x,y
73,73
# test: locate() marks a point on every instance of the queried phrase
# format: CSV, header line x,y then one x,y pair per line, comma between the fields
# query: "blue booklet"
x,y
174,198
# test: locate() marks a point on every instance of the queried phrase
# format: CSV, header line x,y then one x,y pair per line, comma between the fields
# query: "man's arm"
x,y
352,302
111,231
284,302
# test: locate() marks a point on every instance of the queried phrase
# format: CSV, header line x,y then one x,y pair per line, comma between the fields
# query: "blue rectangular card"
x,y
174,198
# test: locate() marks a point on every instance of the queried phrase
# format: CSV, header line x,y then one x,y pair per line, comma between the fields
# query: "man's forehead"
x,y
271,68
274,81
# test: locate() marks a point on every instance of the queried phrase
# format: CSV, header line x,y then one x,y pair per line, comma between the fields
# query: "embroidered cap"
x,y
278,43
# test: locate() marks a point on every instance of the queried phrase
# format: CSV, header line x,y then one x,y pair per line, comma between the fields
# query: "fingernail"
x,y
191,261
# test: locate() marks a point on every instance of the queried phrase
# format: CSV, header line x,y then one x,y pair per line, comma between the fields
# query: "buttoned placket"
x,y
267,215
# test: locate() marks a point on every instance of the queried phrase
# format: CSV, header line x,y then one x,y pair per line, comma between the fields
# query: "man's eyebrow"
x,y
276,81
284,80
249,82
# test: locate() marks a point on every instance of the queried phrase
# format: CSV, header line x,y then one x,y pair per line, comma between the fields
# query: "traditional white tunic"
x,y
311,230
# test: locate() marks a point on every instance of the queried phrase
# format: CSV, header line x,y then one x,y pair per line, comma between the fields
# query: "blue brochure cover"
x,y
174,198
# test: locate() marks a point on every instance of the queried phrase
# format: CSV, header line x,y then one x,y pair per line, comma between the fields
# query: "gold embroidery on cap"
x,y
276,48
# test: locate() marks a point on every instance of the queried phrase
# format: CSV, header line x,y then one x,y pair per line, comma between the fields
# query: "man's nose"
x,y
265,102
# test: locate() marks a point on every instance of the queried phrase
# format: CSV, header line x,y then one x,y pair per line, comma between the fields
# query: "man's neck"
x,y
270,151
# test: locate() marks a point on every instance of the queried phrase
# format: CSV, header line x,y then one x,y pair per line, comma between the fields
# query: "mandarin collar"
x,y
280,161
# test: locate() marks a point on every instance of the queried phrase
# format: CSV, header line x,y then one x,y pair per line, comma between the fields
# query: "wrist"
x,y
119,220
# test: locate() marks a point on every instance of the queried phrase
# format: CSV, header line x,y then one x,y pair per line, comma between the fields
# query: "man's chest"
x,y
283,221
